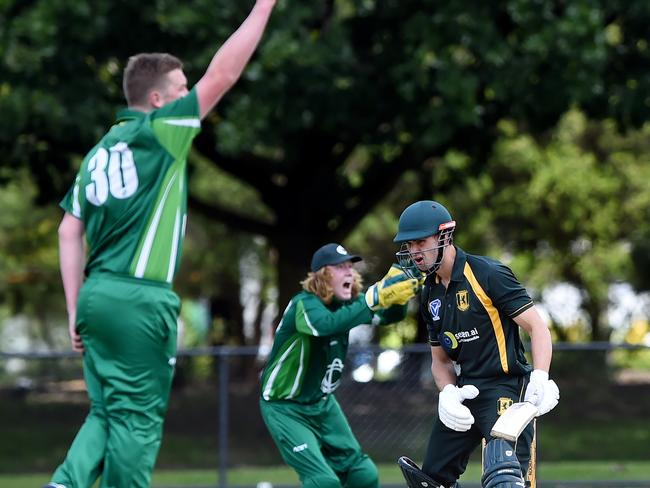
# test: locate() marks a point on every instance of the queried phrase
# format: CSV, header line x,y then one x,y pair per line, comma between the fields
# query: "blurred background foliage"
x,y
527,119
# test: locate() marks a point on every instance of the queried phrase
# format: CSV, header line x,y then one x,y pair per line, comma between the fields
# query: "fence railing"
x,y
388,396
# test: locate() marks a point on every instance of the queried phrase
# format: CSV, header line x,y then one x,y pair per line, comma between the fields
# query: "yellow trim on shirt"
x,y
493,313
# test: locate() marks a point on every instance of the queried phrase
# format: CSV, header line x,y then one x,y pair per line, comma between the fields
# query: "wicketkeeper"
x,y
306,364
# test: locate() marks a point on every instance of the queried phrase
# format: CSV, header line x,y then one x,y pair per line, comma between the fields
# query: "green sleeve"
x,y
314,318
71,202
391,315
177,124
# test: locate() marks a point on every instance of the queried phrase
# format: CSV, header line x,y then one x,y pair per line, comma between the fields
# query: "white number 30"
x,y
121,179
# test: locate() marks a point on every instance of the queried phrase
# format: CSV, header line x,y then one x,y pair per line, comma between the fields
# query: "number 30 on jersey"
x,y
113,171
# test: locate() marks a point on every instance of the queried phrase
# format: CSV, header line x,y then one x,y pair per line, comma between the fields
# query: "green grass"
x,y
388,473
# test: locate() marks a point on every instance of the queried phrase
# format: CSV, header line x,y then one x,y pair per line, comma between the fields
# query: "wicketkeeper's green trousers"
x,y
128,328
316,441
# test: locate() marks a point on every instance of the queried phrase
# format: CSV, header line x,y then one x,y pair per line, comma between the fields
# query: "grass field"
x,y
389,475
599,440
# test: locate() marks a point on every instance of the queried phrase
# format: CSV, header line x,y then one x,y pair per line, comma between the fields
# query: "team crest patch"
x,y
502,404
434,308
462,300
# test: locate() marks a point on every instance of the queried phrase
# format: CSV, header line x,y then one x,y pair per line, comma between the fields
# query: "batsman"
x,y
473,307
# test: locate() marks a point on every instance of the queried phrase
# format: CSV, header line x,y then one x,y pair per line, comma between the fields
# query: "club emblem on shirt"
x,y
462,300
332,378
502,404
434,309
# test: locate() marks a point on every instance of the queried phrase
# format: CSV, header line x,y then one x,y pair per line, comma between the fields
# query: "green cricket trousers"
x,y
128,327
316,441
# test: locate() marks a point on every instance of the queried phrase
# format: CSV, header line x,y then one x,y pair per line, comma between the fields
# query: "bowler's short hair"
x,y
144,72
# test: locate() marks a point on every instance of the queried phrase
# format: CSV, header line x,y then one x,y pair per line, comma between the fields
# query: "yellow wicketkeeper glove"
x,y
396,288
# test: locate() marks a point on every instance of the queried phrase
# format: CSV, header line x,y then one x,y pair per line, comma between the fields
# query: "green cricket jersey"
x,y
311,342
131,192
472,319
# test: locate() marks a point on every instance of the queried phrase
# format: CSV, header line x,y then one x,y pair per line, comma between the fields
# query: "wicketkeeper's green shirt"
x,y
131,192
311,342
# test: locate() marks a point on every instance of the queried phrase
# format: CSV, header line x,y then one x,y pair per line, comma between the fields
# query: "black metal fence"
x,y
388,396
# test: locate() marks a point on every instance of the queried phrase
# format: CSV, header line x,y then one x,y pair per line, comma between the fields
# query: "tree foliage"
x,y
344,101
563,211
29,273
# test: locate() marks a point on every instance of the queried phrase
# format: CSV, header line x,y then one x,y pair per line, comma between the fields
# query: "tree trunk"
x,y
294,258
595,309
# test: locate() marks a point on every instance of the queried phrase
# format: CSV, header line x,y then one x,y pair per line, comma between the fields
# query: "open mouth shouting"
x,y
419,260
342,280
345,289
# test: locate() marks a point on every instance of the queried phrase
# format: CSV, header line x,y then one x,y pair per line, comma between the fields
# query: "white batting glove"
x,y
542,392
451,410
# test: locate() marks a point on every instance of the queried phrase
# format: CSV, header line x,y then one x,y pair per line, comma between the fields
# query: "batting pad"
x,y
501,468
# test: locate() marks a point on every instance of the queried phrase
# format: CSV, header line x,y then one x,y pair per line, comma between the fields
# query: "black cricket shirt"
x,y
472,319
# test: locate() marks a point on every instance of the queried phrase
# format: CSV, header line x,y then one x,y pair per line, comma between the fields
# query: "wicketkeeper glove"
x,y
542,392
396,288
451,410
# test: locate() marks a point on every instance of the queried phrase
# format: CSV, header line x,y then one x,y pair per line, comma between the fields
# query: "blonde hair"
x,y
318,283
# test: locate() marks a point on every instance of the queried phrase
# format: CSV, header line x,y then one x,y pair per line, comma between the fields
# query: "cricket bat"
x,y
513,421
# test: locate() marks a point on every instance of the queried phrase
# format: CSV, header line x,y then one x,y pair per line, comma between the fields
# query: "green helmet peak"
x,y
418,221
423,219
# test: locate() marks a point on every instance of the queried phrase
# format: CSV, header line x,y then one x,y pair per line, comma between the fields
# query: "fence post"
x,y
223,417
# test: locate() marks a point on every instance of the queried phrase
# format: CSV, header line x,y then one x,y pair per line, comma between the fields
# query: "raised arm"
x,y
314,318
230,60
71,262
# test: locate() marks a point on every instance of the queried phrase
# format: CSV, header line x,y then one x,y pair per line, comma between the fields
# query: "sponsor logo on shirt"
x,y
467,335
450,341
434,309
299,448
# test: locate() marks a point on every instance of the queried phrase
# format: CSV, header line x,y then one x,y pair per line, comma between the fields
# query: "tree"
x,y
563,211
343,98
29,274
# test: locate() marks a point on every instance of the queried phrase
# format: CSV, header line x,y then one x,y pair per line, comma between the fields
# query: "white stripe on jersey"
x,y
179,228
276,370
151,233
313,329
183,122
283,314
76,206
296,381
174,251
